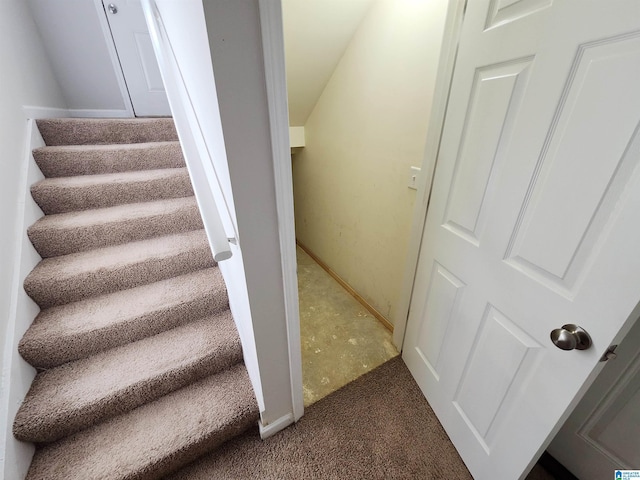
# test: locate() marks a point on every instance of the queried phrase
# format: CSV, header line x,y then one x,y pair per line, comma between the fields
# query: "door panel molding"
x,y
497,88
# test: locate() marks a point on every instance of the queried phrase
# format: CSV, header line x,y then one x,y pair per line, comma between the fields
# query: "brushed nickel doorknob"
x,y
571,337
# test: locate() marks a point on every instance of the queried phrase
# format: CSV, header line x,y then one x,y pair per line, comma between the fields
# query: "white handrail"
x,y
204,178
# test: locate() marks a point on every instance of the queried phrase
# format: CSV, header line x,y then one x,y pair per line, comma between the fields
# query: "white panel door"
x,y
602,434
137,59
533,222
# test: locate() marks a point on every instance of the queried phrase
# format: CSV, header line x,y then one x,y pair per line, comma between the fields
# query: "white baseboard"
x,y
88,113
275,427
45,112
17,374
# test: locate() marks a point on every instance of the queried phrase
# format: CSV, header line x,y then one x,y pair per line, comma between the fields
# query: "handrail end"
x,y
221,256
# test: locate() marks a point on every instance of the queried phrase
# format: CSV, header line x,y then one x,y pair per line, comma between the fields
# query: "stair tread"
x,y
84,192
135,176
71,397
158,437
70,160
70,232
76,330
105,147
81,131
107,269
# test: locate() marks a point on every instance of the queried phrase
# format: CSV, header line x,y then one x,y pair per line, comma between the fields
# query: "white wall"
x,y
237,56
193,57
18,374
353,207
316,34
26,79
236,130
74,39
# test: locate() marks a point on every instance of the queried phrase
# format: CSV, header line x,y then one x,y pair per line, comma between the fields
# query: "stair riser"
x,y
101,132
55,242
50,352
53,199
90,284
61,162
55,428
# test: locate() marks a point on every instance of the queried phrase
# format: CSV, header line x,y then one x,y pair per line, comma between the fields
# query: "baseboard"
x,y
275,427
17,374
89,113
370,308
45,112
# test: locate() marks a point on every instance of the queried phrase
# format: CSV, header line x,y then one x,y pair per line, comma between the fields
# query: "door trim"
x,y
273,42
446,64
276,83
117,70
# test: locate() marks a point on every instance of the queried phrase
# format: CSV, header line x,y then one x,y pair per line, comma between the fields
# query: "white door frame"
x,y
450,39
111,48
276,83
272,36
273,56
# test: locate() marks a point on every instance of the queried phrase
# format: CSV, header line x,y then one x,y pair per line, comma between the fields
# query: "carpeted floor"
x,y
377,427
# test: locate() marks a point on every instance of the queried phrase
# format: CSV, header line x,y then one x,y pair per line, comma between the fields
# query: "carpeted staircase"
x,y
140,365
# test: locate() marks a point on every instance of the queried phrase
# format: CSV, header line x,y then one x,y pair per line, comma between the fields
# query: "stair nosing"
x,y
107,178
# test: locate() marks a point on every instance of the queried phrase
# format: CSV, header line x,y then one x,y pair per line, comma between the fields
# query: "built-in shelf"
x,y
296,138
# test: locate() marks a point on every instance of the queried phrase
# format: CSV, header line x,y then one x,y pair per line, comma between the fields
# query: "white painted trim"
x,y
31,112
276,83
17,375
115,61
453,26
296,135
275,427
205,180
90,113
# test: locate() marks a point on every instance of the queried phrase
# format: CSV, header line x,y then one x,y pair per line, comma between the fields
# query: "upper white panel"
x,y
149,63
554,239
502,12
495,98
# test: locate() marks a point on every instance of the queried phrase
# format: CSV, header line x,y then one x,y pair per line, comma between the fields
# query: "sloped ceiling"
x,y
316,34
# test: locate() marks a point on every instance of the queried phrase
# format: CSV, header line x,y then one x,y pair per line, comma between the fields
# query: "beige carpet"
x,y
378,427
140,364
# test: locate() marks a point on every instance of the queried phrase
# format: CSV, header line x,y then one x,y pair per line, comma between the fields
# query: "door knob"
x,y
112,8
571,337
